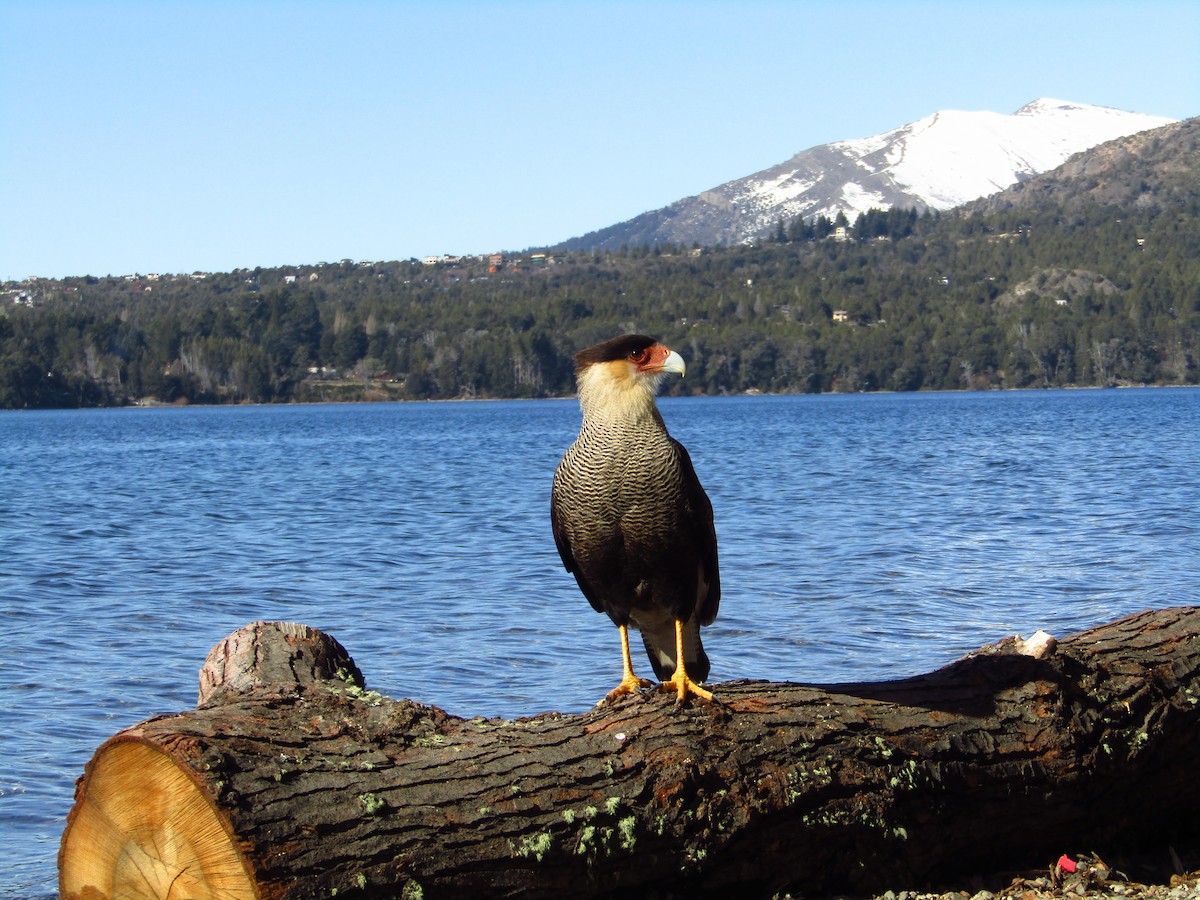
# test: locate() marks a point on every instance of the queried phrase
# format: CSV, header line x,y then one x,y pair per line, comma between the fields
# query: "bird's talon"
x,y
687,686
635,686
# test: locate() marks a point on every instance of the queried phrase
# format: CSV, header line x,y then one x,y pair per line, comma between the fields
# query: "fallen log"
x,y
291,780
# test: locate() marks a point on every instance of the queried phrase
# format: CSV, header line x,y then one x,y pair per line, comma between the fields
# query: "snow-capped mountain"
x,y
937,162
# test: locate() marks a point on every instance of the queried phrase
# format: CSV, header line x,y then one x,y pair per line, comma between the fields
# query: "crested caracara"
x,y
631,521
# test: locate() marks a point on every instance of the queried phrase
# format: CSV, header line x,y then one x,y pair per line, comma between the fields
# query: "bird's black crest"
x,y
617,348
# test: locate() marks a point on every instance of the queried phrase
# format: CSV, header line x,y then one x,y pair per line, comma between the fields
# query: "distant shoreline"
x,y
155,404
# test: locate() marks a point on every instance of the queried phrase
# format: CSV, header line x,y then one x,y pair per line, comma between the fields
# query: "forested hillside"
x,y
1092,280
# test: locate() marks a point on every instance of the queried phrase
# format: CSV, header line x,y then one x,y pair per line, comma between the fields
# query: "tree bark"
x,y
291,780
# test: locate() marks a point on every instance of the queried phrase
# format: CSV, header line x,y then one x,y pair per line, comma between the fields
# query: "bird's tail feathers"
x,y
659,640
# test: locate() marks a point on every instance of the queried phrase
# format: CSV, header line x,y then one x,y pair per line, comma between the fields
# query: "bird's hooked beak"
x,y
662,359
674,363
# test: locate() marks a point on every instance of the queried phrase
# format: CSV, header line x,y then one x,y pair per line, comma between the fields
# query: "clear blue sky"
x,y
182,136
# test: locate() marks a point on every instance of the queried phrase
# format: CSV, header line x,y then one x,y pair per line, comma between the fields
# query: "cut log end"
x,y
141,827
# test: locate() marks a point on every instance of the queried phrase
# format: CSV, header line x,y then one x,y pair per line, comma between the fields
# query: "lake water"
x,y
862,537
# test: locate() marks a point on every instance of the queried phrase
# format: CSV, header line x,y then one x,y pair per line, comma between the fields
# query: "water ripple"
x,y
861,538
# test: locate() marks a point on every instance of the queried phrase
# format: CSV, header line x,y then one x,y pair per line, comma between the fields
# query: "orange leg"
x,y
630,683
680,683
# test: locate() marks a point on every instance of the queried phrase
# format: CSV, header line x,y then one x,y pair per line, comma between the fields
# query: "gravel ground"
x,y
1084,876
1186,887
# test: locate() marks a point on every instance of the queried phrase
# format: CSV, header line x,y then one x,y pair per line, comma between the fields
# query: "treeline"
x,y
874,224
1017,299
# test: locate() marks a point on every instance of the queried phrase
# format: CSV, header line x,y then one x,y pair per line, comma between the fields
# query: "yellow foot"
x,y
682,686
630,684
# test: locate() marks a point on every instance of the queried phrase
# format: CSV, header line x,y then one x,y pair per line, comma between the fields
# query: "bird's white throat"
x,y
628,396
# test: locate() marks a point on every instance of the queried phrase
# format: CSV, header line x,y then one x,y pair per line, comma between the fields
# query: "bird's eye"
x,y
638,356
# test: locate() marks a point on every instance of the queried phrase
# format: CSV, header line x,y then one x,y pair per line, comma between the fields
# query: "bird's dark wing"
x,y
704,536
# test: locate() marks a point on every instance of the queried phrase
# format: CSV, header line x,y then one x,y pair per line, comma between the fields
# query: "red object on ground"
x,y
1066,863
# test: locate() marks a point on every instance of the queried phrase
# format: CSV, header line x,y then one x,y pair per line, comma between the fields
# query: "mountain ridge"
x,y
1083,276
938,162
1145,169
